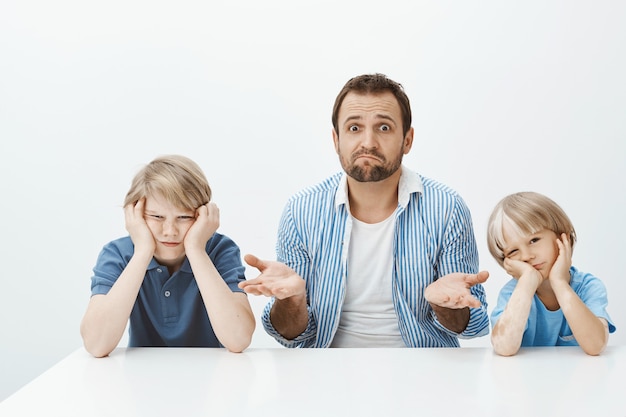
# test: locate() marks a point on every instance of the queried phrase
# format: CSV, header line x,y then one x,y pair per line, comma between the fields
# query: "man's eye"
x,y
353,128
385,128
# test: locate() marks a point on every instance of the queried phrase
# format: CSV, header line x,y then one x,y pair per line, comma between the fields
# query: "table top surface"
x,y
551,381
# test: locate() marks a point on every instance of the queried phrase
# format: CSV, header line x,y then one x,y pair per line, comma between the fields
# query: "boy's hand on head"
x,y
137,227
206,224
560,269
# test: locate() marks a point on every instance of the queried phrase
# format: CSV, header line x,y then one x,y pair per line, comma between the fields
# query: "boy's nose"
x,y
527,255
169,228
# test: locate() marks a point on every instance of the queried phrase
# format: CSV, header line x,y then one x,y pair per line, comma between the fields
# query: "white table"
x,y
276,382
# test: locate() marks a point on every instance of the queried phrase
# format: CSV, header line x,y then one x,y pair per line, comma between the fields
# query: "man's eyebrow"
x,y
377,116
386,117
351,118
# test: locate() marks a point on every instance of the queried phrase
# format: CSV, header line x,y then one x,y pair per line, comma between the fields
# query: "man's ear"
x,y
408,141
336,140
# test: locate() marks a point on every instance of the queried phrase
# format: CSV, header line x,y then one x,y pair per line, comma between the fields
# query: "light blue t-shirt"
x,y
550,328
169,310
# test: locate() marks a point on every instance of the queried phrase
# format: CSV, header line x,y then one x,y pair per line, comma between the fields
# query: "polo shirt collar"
x,y
185,267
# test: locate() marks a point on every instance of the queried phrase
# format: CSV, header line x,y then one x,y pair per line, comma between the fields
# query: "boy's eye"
x,y
154,216
534,240
511,253
186,217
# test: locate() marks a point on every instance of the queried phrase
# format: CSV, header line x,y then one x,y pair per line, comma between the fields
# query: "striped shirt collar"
x,y
410,183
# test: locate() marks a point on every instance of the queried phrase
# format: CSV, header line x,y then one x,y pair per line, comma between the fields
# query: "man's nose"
x,y
370,138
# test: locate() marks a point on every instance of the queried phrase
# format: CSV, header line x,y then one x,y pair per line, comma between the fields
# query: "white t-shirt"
x,y
368,318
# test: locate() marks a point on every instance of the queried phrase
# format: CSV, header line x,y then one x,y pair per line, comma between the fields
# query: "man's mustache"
x,y
368,152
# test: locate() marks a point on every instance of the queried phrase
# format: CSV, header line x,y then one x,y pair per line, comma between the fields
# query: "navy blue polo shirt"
x,y
169,310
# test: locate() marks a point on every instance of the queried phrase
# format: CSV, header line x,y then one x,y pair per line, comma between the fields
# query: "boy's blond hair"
x,y
527,212
175,177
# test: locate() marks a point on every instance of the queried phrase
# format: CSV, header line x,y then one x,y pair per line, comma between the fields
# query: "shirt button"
x,y
167,293
159,270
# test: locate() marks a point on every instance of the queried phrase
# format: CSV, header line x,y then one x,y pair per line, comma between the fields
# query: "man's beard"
x,y
371,173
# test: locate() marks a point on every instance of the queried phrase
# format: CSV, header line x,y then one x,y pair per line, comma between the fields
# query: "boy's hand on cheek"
x,y
137,227
517,268
560,269
206,224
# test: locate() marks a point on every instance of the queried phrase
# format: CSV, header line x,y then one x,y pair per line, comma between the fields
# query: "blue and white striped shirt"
x,y
433,237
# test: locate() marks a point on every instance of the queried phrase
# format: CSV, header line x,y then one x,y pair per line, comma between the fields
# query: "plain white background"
x,y
506,96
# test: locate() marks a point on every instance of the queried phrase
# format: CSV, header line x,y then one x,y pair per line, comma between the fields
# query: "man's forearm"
x,y
453,319
290,316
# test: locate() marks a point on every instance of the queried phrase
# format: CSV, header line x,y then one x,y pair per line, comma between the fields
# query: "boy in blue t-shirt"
x,y
548,302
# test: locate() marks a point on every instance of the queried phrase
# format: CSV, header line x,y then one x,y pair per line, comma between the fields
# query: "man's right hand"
x,y
276,280
289,314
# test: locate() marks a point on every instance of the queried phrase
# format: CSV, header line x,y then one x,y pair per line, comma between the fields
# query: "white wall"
x,y
506,96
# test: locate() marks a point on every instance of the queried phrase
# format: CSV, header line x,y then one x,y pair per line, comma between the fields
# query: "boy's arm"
x,y
107,315
229,312
591,332
507,333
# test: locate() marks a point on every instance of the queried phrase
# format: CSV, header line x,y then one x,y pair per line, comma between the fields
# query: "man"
x,y
377,256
